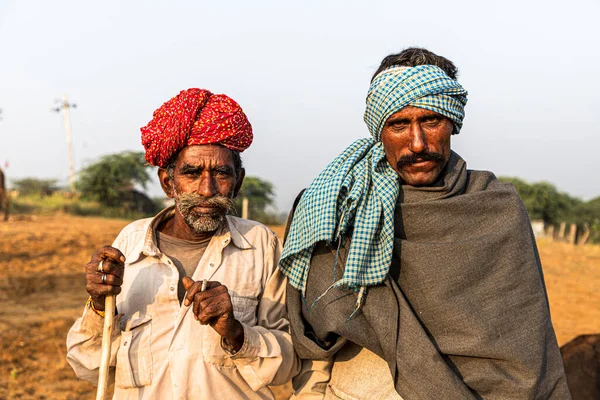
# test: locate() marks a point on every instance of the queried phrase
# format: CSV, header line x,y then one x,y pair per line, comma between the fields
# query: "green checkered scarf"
x,y
359,188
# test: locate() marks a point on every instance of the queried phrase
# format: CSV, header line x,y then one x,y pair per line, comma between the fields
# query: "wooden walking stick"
x,y
109,315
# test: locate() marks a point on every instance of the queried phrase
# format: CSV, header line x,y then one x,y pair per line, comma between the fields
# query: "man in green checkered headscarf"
x,y
401,261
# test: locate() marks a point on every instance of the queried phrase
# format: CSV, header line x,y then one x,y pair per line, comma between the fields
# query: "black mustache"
x,y
415,158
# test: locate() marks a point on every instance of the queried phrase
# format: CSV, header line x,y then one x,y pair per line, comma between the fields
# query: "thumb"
x,y
187,282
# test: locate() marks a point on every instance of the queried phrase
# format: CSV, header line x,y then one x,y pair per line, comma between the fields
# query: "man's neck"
x,y
177,227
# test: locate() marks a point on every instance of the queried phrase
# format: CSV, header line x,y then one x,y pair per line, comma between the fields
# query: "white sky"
x,y
301,72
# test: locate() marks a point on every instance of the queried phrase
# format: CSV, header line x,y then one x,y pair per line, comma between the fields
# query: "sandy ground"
x,y
42,292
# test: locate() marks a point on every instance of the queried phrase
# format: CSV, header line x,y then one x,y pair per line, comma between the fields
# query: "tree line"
x,y
118,181
546,203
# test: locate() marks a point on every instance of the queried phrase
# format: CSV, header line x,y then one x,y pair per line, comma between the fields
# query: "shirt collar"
x,y
228,233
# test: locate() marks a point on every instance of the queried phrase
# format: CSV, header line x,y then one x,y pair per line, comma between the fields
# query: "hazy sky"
x,y
301,73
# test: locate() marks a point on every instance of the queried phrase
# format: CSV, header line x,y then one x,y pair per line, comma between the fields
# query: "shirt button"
x,y
212,265
172,289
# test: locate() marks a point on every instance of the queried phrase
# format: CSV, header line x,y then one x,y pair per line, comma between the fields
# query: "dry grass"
x,y
572,277
42,292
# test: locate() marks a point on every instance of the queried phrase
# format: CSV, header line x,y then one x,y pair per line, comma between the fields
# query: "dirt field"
x,y
42,292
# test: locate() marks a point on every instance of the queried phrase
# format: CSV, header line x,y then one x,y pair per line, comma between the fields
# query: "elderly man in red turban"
x,y
201,303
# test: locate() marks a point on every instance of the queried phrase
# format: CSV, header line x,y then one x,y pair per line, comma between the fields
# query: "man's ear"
x,y
238,184
166,183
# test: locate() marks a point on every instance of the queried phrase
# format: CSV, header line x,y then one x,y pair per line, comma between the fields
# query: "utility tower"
x,y
64,105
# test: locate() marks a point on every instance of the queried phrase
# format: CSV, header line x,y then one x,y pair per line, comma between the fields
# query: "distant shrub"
x,y
55,204
35,186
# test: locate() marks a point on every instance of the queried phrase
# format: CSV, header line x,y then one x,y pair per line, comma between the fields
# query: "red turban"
x,y
195,116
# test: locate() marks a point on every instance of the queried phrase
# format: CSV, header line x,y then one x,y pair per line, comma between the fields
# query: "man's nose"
x,y
418,141
207,186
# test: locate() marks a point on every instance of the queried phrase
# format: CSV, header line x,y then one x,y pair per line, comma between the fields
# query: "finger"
x,y
91,268
114,290
111,267
191,292
92,275
203,299
187,282
193,288
212,285
111,280
109,253
196,308
217,308
98,290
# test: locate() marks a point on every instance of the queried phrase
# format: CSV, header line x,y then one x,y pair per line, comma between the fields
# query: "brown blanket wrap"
x,y
464,312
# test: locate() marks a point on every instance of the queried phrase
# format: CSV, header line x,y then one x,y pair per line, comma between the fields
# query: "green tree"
x,y
106,179
543,201
261,195
587,213
28,186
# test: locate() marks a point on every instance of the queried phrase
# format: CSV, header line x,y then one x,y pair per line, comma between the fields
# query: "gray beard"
x,y
203,223
199,222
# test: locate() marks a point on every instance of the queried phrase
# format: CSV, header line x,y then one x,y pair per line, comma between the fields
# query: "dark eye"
x,y
191,173
224,173
433,121
398,125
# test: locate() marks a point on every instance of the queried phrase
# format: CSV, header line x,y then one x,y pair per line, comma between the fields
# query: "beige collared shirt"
x,y
161,352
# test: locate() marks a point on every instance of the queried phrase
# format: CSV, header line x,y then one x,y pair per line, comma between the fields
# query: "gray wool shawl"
x,y
463,313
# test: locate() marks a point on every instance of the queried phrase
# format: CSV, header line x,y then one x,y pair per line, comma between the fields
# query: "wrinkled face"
x,y
417,144
204,185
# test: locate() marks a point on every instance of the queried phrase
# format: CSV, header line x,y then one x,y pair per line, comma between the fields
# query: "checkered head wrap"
x,y
423,86
359,188
193,117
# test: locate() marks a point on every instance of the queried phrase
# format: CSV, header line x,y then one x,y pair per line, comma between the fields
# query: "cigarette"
x,y
204,284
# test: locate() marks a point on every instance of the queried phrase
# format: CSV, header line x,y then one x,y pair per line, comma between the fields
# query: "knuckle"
x,y
225,297
192,290
197,298
211,309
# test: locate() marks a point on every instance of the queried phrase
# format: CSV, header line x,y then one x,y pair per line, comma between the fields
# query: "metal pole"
x,y
69,142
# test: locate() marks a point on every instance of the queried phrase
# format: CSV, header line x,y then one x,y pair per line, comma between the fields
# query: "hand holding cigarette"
x,y
212,306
